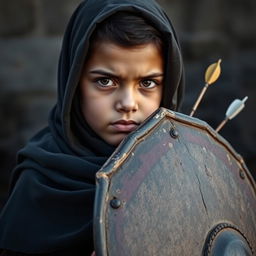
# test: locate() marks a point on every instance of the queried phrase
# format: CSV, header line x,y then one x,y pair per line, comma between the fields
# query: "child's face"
x,y
120,88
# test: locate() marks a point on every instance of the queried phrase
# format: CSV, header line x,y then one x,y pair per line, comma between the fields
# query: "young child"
x,y
120,61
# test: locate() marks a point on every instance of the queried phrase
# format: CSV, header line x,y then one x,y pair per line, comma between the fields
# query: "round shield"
x,y
175,187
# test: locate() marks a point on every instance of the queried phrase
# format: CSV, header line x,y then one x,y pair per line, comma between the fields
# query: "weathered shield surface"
x,y
175,187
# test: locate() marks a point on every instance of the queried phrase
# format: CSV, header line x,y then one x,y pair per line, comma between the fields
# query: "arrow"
x,y
211,75
233,110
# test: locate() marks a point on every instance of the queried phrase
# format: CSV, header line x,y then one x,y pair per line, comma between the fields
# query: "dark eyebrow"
x,y
109,74
103,73
154,75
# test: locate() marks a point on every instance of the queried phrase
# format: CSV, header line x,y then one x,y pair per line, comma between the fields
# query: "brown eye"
x,y
148,84
105,82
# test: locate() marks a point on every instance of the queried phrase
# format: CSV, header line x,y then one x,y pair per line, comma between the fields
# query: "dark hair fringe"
x,y
127,29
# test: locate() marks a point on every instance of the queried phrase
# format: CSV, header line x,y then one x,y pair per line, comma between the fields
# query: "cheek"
x,y
153,103
153,107
94,107
91,108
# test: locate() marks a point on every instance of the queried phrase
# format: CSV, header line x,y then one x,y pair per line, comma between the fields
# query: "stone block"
x,y
176,10
55,14
24,113
205,45
17,17
29,64
240,19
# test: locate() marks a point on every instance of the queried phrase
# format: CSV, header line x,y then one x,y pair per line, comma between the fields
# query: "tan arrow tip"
x,y
213,72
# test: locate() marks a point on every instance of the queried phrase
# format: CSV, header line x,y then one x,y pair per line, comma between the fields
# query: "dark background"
x,y
30,38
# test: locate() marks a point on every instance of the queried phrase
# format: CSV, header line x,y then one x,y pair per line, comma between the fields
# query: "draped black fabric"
x,y
50,207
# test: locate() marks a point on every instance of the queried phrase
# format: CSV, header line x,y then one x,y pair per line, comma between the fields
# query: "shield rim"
x,y
121,153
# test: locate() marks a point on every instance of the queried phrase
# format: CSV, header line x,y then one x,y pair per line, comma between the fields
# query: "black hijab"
x,y
50,207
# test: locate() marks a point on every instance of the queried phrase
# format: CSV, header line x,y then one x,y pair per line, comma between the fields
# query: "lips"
x,y
125,125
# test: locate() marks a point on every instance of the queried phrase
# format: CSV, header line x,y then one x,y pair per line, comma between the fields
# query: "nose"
x,y
127,101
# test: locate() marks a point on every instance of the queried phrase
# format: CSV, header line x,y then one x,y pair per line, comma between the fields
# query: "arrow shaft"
x,y
221,125
199,99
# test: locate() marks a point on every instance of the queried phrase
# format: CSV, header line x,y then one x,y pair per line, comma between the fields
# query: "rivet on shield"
x,y
174,133
115,203
242,175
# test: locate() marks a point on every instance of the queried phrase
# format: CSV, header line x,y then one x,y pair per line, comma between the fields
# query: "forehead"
x,y
115,57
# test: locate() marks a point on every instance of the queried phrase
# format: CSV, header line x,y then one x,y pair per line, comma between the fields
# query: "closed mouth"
x,y
125,122
125,126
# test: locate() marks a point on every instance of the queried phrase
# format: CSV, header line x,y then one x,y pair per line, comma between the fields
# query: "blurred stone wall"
x,y
30,39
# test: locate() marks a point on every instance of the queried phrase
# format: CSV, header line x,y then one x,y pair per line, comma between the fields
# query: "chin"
x,y
116,140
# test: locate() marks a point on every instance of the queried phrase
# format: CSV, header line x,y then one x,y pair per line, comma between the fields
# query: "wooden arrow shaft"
x,y
221,125
199,99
